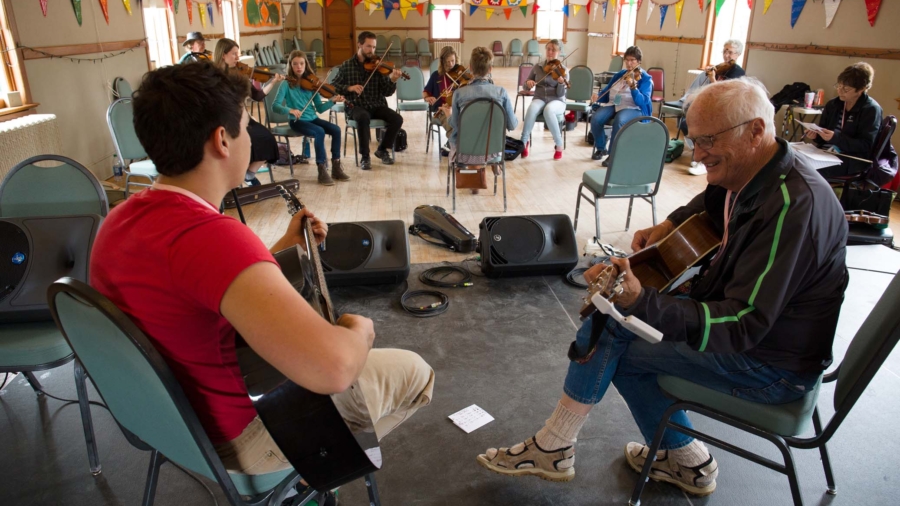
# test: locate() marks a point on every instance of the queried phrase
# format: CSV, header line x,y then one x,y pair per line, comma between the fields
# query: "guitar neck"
x,y
316,259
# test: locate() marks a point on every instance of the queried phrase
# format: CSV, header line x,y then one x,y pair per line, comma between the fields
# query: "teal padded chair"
x,y
482,129
560,119
515,50
318,47
424,49
277,123
396,48
409,93
782,424
336,109
532,50
578,97
66,188
381,44
121,88
410,50
279,55
434,66
615,65
120,119
635,168
147,401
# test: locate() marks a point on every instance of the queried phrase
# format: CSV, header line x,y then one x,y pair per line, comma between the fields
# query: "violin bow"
x,y
564,59
377,64
311,98
610,88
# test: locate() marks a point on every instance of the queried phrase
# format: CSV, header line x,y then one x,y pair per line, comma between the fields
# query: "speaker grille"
x,y
348,246
515,240
14,257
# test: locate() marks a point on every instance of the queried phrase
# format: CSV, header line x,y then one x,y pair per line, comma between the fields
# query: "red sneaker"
x,y
525,151
557,155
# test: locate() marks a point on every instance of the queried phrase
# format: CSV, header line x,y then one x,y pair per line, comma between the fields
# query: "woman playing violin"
x,y
263,146
549,98
303,105
434,92
626,97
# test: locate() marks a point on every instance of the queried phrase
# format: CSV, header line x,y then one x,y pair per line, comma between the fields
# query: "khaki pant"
x,y
393,385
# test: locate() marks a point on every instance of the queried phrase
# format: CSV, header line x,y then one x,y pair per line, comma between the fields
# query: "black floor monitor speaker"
x,y
527,245
366,253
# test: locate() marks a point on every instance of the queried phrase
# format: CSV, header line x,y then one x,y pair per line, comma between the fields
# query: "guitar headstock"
x,y
608,284
293,203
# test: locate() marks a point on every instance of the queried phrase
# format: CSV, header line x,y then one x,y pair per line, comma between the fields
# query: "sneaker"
x,y
698,480
605,163
557,154
525,151
445,152
385,157
529,459
365,163
697,169
251,179
599,154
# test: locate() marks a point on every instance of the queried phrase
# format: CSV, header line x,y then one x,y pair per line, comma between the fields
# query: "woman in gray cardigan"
x,y
549,97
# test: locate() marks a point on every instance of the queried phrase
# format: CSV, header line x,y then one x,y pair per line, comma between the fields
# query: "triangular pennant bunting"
x,y
431,7
105,8
320,3
796,9
209,10
872,10
488,13
649,11
766,6
44,7
446,13
831,7
76,6
678,8
328,3
605,5
565,10
202,12
421,9
219,6
403,11
535,8
524,10
190,12
662,15
577,8
127,4
472,9
719,4
303,7
176,6
507,12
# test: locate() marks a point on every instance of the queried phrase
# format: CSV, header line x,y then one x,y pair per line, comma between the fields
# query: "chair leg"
x,y
791,472
577,206
628,220
823,451
597,216
33,381
503,170
449,170
651,457
271,172
86,421
237,204
156,460
287,141
653,206
372,489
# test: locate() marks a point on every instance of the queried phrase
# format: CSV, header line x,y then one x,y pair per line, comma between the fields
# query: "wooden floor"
x,y
535,185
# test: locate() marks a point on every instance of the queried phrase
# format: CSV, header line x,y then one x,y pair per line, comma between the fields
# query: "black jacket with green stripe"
x,y
776,293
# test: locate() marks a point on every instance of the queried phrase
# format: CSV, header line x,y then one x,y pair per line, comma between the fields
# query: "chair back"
x,y
272,116
497,48
270,55
524,72
317,47
381,44
332,74
883,139
474,128
659,80
581,78
411,89
120,118
277,50
615,64
868,350
396,43
532,48
66,188
423,47
638,153
288,46
434,66
409,47
121,88
135,382
299,44
515,46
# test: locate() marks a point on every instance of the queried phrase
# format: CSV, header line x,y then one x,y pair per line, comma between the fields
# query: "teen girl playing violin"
x,y
263,146
549,98
303,105
437,83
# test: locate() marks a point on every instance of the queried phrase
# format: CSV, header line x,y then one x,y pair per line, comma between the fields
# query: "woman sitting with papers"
x,y
850,121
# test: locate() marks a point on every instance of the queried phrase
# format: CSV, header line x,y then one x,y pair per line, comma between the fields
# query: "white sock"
x,y
691,455
561,429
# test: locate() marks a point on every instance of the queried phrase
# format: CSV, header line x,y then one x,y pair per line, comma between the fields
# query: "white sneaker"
x,y
697,169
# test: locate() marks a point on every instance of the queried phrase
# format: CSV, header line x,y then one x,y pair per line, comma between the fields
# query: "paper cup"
x,y
808,99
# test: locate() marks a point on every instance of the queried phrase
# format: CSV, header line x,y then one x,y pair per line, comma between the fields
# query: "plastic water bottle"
x,y
117,166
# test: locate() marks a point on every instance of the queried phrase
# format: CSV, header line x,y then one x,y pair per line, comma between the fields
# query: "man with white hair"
x,y
759,320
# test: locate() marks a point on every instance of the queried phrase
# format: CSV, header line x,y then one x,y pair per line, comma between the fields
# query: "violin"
x,y
555,70
204,56
258,74
633,77
866,217
310,82
716,72
461,76
383,67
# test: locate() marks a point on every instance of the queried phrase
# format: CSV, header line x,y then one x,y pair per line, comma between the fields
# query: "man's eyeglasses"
x,y
632,60
706,142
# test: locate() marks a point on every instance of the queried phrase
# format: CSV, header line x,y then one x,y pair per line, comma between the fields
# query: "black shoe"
x,y
385,157
598,154
366,163
605,163
445,152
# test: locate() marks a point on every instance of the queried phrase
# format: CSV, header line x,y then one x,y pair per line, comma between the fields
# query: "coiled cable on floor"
x,y
426,311
575,277
436,276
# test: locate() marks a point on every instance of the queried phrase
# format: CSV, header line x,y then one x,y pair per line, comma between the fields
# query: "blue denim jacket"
x,y
480,88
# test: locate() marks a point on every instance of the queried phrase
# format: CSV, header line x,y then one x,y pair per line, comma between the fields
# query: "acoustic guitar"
x,y
659,265
307,426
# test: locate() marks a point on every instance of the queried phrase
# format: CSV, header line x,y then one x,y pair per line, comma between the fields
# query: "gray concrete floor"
x,y
502,345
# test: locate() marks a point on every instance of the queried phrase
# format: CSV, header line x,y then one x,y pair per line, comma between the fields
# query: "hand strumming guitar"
x,y
652,235
294,233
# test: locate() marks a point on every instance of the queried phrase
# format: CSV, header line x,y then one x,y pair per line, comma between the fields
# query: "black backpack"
x,y
400,144
789,95
513,149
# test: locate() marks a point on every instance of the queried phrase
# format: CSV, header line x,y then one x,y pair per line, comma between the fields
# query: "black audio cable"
x,y
426,311
436,276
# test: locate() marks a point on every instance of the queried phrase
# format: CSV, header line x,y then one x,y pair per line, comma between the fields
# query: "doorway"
x,y
340,40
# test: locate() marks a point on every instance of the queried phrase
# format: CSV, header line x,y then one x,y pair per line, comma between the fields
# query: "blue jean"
x,y
317,129
551,110
603,116
632,365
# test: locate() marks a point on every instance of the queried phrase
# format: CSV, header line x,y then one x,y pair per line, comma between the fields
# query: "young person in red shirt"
x,y
190,278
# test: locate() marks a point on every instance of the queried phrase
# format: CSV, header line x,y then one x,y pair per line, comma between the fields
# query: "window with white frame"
x,y
228,20
7,82
732,22
446,22
550,21
626,21
156,25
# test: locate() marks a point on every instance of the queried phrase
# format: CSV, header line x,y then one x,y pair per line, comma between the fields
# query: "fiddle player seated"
x,y
366,99
626,97
758,324
190,298
441,80
195,45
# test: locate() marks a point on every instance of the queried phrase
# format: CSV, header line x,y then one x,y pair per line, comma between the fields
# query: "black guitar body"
x,y
306,426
